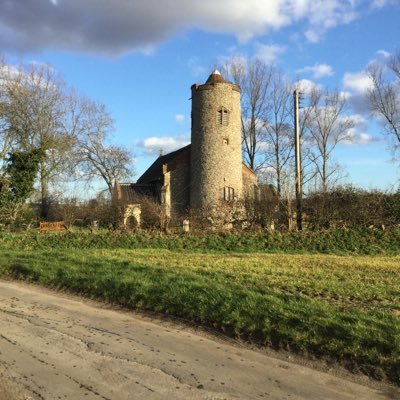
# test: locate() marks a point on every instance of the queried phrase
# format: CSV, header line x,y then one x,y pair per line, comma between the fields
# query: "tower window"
x,y
228,193
223,116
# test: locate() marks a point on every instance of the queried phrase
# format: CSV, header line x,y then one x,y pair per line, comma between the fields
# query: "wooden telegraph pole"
x,y
298,161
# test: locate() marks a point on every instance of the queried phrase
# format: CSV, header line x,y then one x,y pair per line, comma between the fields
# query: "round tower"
x,y
216,150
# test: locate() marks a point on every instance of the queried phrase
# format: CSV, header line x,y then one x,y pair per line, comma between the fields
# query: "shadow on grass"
x,y
367,342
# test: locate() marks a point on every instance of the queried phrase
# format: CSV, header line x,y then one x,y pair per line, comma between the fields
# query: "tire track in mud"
x,y
62,347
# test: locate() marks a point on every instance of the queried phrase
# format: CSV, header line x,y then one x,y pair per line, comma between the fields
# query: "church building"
x,y
209,171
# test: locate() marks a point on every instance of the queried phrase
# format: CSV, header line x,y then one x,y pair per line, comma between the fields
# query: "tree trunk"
x,y
44,192
324,174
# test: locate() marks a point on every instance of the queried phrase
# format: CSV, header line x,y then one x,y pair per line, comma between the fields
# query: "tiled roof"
x,y
128,192
155,172
215,77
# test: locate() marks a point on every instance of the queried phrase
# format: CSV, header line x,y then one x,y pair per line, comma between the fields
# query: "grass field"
x,y
343,308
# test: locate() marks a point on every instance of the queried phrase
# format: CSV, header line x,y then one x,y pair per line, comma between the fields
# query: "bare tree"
x,y
38,111
384,97
95,156
254,79
278,138
5,138
34,105
328,126
394,64
309,98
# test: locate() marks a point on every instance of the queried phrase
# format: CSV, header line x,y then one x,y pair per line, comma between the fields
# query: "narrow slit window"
x,y
228,193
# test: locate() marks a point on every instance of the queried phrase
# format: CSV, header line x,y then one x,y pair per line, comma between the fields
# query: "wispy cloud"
x,y
307,86
268,52
153,145
179,118
358,135
380,3
383,54
317,70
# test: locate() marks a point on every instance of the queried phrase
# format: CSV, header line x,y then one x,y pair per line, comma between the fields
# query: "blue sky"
x,y
140,58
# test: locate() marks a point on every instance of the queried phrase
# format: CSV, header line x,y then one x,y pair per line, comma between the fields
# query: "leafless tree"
x,y
394,64
328,126
254,78
34,105
95,156
38,110
278,137
5,138
384,97
309,98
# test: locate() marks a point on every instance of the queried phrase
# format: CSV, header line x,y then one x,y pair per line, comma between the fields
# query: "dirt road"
x,y
61,347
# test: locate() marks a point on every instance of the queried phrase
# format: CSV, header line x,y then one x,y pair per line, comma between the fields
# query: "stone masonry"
x,y
216,150
207,175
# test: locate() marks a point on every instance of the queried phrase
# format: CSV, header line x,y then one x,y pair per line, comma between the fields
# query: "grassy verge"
x,y
335,241
345,308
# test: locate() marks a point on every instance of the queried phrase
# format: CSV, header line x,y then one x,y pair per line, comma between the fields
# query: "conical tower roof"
x,y
215,77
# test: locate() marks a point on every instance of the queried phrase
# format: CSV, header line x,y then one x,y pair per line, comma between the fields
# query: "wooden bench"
x,y
52,226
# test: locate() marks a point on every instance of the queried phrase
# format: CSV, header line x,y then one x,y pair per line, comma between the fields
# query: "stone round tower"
x,y
216,150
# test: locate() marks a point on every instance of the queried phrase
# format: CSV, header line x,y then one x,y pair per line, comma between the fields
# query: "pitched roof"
x,y
129,192
155,172
215,77
247,169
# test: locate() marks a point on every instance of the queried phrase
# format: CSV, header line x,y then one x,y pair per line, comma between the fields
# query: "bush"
x,y
336,241
352,207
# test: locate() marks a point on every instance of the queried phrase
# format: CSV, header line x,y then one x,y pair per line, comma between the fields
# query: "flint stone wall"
x,y
216,150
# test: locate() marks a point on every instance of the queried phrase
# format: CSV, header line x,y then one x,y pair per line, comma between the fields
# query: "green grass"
x,y
335,241
345,308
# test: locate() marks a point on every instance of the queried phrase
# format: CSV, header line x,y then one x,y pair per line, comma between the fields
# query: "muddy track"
x,y
61,347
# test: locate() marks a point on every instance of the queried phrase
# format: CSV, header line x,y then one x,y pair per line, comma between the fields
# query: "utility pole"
x,y
299,212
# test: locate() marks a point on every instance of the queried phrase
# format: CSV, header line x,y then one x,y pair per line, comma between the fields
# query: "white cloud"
x,y
317,70
307,86
380,3
358,134
27,76
356,85
359,82
312,36
40,64
264,147
358,138
179,118
323,15
268,53
153,145
8,71
121,26
383,53
345,95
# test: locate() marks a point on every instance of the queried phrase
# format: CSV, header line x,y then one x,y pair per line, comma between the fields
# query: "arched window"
x,y
223,116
